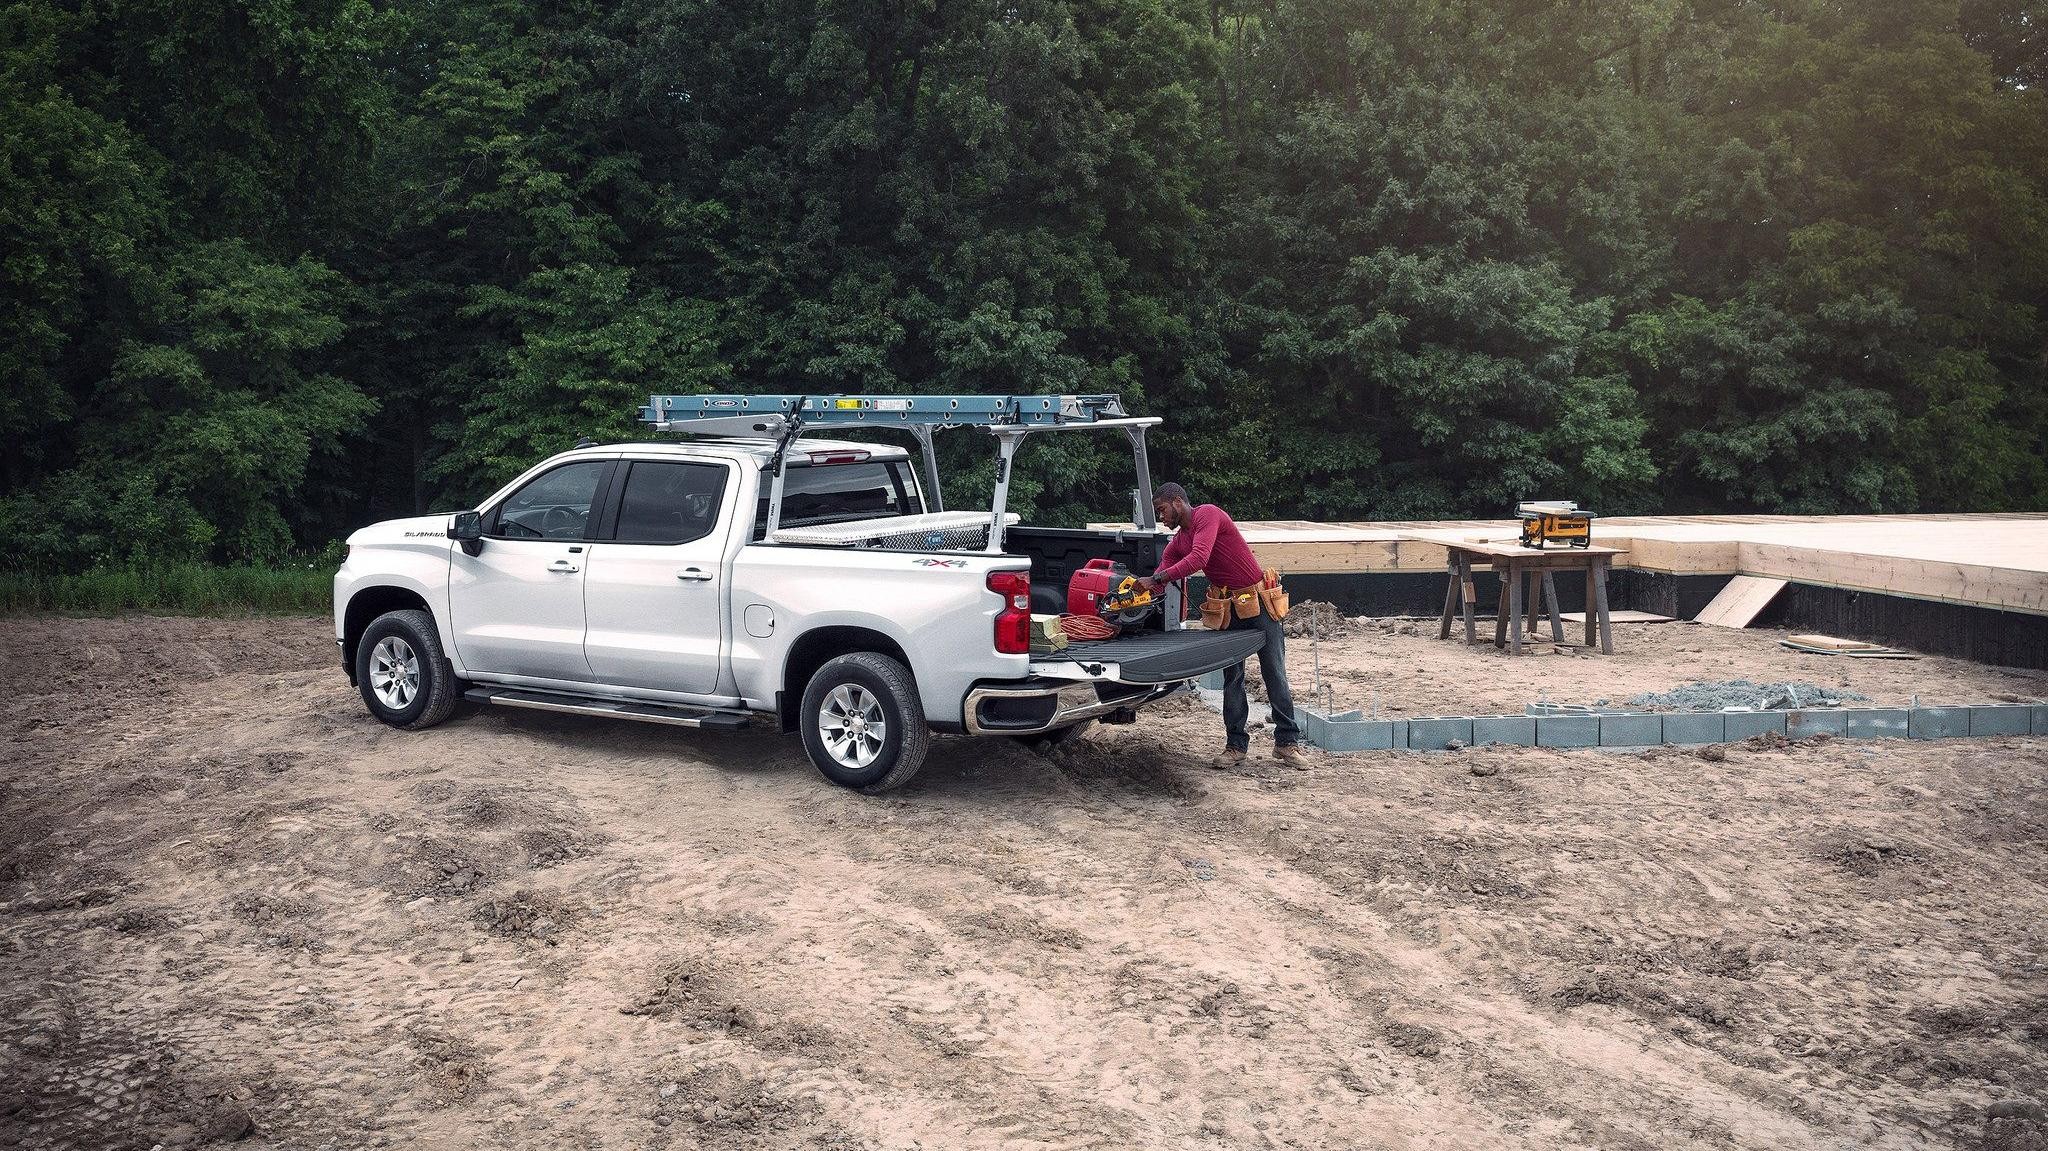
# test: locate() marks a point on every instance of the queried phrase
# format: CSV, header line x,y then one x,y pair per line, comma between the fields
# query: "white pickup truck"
x,y
748,570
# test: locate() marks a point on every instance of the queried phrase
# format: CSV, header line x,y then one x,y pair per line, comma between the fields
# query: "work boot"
x,y
1292,755
1231,758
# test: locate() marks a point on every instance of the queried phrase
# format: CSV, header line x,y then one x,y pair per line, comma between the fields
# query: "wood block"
x,y
1831,643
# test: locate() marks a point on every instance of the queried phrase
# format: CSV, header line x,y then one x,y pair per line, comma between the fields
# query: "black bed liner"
x,y
1163,656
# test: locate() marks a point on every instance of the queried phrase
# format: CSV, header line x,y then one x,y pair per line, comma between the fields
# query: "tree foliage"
x,y
275,268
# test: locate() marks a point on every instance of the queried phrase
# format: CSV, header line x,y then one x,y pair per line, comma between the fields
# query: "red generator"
x,y
1107,590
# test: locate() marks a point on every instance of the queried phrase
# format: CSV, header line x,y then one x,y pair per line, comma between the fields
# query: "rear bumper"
x,y
1032,706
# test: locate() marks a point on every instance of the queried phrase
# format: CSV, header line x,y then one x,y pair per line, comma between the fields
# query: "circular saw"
x,y
1108,590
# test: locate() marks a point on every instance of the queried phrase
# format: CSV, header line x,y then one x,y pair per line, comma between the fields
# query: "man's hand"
x,y
1150,584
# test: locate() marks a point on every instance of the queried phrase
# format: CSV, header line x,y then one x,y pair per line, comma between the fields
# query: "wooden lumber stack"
x,y
1046,636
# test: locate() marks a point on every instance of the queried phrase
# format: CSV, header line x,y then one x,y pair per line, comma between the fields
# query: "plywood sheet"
x,y
2013,589
1741,601
1832,643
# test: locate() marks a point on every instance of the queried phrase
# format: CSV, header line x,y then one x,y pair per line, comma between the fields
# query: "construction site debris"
x,y
1316,618
1739,693
1830,645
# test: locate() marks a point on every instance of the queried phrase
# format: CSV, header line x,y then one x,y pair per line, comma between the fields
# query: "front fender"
x,y
420,568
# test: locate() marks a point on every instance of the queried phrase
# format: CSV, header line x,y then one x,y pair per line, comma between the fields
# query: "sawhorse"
x,y
1519,569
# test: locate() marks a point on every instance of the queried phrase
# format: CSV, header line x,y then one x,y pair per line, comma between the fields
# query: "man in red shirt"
x,y
1208,541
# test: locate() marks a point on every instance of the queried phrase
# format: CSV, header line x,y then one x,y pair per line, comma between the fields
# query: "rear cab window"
x,y
837,493
669,502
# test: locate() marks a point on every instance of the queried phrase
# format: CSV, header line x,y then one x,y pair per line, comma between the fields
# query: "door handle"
x,y
563,566
693,574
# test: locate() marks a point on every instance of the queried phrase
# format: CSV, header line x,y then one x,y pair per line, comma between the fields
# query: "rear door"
x,y
516,607
656,597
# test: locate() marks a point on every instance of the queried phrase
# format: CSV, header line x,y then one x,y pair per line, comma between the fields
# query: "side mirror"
x,y
467,528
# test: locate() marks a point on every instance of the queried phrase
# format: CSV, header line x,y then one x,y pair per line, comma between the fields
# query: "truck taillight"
x,y
1013,623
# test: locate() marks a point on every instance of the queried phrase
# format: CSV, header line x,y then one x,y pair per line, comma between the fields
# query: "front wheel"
x,y
406,681
862,723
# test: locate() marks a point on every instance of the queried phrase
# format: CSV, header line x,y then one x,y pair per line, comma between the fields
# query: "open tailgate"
x,y
1150,657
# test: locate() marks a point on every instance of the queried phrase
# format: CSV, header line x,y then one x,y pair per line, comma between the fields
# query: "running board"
x,y
610,708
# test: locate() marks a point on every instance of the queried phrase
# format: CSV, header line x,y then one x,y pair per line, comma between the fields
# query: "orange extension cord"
x,y
1082,628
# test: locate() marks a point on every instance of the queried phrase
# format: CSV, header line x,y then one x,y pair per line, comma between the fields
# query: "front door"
x,y
517,605
656,593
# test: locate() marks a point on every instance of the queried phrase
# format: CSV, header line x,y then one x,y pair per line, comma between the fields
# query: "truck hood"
x,y
412,531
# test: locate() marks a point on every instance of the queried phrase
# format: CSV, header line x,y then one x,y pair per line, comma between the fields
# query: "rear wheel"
x,y
863,724
405,680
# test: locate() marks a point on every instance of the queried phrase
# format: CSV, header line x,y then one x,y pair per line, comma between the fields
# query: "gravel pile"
x,y
1742,693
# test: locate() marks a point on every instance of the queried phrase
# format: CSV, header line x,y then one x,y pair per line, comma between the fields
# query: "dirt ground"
x,y
1400,666
232,906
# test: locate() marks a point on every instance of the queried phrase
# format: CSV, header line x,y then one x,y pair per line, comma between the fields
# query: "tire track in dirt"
x,y
690,940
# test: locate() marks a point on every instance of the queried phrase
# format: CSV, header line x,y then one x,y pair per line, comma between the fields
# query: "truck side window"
x,y
552,506
670,503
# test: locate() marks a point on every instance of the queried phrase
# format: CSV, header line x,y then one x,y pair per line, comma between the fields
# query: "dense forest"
x,y
274,268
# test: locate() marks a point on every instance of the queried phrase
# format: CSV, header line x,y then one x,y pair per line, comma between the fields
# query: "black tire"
x,y
875,679
1045,741
435,693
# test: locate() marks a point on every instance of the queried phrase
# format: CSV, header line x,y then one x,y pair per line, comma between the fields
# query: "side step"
x,y
676,716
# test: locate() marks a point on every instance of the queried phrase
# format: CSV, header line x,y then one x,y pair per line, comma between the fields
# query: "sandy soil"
x,y
233,906
1400,666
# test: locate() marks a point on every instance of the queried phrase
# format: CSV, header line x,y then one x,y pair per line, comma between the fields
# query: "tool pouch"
x,y
1272,596
1215,610
1245,603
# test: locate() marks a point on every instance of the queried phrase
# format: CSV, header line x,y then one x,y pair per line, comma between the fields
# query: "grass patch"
x,y
182,589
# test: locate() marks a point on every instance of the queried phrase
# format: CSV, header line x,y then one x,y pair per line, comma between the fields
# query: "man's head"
x,y
1170,504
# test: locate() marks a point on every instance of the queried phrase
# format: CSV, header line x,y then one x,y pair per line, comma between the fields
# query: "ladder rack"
x,y
666,412
1008,418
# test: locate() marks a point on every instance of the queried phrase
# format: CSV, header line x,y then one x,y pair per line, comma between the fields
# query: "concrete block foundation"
x,y
1694,727
2001,719
1938,722
1744,724
1568,731
1435,733
1631,730
1809,722
1346,731
1877,722
1364,735
1513,730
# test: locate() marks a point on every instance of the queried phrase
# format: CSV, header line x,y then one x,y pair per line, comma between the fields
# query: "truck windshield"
x,y
836,493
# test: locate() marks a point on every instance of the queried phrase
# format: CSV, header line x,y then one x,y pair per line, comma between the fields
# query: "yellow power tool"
x,y
1555,522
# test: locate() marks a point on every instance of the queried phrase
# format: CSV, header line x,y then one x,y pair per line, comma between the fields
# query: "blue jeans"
x,y
1273,670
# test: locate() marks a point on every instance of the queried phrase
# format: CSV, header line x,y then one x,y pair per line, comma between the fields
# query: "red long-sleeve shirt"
x,y
1211,544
